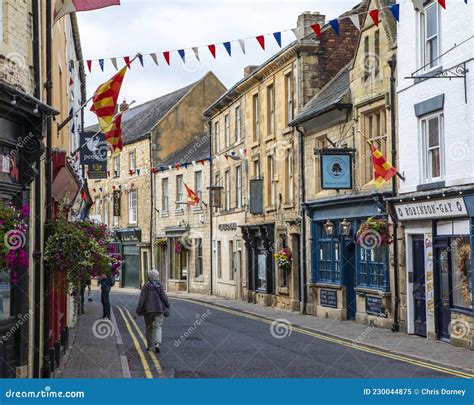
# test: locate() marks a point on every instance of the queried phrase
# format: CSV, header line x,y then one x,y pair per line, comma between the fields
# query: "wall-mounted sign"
x,y
228,227
336,171
447,207
116,202
129,235
328,298
93,148
374,306
97,171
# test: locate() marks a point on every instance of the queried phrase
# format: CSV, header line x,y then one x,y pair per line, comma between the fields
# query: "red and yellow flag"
x,y
114,134
193,198
105,99
63,7
383,170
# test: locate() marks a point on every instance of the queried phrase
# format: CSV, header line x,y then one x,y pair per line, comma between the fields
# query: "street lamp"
x,y
329,226
345,227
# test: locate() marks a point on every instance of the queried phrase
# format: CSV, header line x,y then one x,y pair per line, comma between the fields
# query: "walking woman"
x,y
153,304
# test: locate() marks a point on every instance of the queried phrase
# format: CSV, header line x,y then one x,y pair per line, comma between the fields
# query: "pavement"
x,y
212,337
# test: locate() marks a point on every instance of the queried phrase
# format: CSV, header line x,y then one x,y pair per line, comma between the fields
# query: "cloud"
x,y
159,25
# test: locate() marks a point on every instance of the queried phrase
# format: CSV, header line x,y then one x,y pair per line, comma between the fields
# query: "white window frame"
x,y
132,207
217,136
228,194
165,205
271,180
289,176
256,120
227,130
238,125
179,191
117,166
426,169
271,109
238,177
424,51
198,186
289,97
132,161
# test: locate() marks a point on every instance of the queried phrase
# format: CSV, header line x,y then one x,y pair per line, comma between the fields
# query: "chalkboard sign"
x,y
328,298
374,306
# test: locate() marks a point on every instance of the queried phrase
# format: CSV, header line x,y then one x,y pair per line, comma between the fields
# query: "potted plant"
x,y
162,243
463,268
284,258
374,233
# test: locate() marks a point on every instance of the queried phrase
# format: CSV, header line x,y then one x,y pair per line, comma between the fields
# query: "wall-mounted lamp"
x,y
14,100
36,110
346,227
329,227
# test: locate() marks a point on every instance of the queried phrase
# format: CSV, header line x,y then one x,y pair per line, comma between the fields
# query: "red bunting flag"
x,y
212,49
374,14
317,30
202,162
261,41
178,166
442,3
127,61
166,55
89,66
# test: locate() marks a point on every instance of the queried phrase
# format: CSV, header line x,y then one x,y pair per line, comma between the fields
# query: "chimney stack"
x,y
305,20
248,70
123,106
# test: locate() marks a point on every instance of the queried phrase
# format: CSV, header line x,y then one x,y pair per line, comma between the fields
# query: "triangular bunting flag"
x,y
101,64
196,53
442,3
155,58
140,58
242,45
261,41
295,32
277,36
212,49
166,55
317,29
89,65
355,20
182,54
335,25
228,48
374,14
114,63
395,9
127,60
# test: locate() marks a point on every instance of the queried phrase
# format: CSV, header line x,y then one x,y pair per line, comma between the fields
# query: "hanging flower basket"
x,y
13,236
178,247
284,258
464,263
162,243
374,233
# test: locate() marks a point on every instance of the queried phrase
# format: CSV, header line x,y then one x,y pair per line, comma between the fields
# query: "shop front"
x,y
350,272
260,245
129,244
438,238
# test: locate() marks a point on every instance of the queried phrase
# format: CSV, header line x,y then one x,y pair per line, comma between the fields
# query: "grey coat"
x,y
153,299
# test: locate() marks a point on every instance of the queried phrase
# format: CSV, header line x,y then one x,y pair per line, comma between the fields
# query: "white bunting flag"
x,y
114,62
194,163
170,167
355,20
242,45
218,158
196,53
295,32
242,152
155,58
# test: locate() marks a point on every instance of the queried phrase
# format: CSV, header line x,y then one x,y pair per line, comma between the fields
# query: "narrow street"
x,y
203,341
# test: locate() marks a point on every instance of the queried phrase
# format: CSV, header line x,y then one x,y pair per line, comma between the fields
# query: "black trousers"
x,y
105,298
80,309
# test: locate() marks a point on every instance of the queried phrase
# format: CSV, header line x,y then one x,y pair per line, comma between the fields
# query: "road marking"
x,y
146,366
152,355
338,341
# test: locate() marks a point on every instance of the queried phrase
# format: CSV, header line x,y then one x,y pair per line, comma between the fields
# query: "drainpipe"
x,y
210,206
393,63
37,201
46,371
152,205
302,199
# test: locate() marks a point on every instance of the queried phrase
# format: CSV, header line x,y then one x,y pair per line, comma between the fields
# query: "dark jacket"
x,y
152,299
106,283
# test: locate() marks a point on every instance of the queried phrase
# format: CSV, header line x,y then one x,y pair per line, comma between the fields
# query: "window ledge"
x,y
165,214
328,285
199,279
288,206
372,290
283,290
270,209
287,131
197,210
179,212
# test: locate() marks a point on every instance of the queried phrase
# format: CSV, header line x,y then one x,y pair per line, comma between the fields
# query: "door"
x,y
131,266
349,277
419,292
442,297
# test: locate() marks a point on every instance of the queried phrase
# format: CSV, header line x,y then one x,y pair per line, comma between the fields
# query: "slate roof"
x,y
333,95
137,122
199,148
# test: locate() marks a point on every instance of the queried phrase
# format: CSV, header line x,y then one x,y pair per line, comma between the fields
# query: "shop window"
x,y
373,268
145,262
231,260
329,269
198,256
219,259
461,273
179,261
283,272
432,136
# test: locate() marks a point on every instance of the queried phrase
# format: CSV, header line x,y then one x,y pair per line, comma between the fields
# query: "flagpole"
x,y
71,116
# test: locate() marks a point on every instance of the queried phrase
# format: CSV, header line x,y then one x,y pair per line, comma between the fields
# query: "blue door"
x,y
349,278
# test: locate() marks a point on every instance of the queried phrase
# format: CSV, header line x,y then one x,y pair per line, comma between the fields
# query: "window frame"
x,y
132,167
289,97
227,130
424,51
270,181
289,176
425,149
238,125
227,190
270,110
131,208
217,136
255,117
198,186
165,203
117,166
238,182
179,190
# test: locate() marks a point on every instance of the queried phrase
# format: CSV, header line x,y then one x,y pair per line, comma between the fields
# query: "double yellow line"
x,y
341,342
128,319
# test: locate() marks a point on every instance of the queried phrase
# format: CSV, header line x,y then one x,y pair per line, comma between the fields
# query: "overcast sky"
x,y
158,25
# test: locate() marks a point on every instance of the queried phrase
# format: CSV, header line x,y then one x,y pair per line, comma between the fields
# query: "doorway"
x,y
131,266
442,288
349,277
419,291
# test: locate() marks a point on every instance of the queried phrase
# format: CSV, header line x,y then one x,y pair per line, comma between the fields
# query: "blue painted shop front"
x,y
348,281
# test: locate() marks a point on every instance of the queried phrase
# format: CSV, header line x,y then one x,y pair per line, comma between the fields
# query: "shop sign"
x,y
129,235
116,202
336,171
93,148
328,298
374,306
228,227
448,207
97,171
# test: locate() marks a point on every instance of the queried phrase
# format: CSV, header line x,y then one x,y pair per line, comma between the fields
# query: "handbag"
x,y
166,310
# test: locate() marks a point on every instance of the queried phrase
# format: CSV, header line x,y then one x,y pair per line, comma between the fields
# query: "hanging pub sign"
x,y
256,196
98,171
336,169
116,201
9,172
93,148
